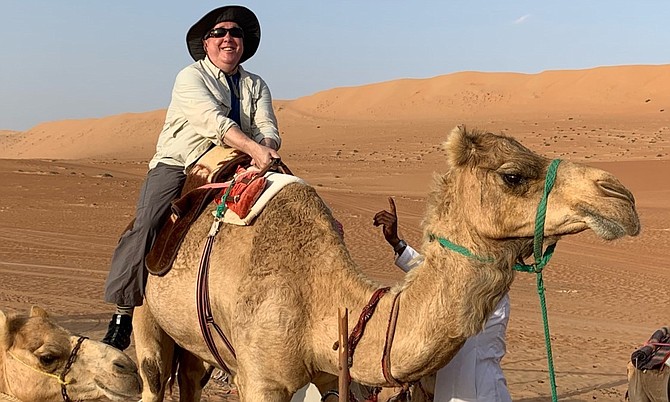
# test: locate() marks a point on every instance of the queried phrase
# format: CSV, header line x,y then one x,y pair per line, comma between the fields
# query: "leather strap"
x,y
366,314
205,318
390,333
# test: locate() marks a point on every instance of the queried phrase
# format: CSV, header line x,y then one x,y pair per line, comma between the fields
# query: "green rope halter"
x,y
541,260
459,249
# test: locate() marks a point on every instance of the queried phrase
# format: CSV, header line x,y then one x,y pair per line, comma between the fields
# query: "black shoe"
x,y
118,332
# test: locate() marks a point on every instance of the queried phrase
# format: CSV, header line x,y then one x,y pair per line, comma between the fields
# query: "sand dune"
x,y
622,92
69,188
126,136
639,90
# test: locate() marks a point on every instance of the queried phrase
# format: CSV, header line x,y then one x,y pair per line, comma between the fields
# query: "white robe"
x,y
474,374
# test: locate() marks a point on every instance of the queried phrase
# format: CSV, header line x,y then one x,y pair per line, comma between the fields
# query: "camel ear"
x,y
36,311
458,146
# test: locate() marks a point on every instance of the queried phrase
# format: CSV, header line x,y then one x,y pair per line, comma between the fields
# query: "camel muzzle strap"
x,y
68,367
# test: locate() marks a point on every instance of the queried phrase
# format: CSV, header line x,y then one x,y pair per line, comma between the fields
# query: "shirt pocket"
x,y
254,95
222,99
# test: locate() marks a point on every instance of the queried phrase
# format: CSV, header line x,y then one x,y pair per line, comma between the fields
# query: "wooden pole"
x,y
343,328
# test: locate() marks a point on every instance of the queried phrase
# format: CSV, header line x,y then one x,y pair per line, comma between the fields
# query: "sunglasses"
x,y
235,32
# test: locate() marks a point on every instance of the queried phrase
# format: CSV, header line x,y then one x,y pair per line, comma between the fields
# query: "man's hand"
x,y
262,156
389,222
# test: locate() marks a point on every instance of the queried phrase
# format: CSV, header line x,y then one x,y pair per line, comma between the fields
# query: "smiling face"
x,y
225,52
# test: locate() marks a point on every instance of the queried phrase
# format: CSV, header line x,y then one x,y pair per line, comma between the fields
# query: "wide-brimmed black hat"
x,y
242,16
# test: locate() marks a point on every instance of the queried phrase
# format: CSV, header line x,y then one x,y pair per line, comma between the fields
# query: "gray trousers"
x,y
127,275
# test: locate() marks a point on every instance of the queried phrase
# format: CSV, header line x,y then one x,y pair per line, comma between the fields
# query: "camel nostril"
x,y
124,366
120,367
616,190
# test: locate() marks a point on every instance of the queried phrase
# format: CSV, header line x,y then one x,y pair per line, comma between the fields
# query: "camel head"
x,y
493,186
38,358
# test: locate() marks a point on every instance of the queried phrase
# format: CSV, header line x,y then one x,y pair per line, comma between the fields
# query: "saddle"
x,y
654,353
194,199
648,371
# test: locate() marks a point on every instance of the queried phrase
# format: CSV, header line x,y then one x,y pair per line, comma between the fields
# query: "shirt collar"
x,y
217,72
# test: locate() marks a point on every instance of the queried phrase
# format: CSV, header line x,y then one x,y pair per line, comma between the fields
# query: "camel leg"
x,y
190,375
155,352
260,390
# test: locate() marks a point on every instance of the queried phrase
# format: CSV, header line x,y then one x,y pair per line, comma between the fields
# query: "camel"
x,y
41,361
276,285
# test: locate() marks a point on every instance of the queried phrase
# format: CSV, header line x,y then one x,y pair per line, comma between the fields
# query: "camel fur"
x,y
275,286
33,347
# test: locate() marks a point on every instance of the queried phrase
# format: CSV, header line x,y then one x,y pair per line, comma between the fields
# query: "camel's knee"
x,y
155,351
151,372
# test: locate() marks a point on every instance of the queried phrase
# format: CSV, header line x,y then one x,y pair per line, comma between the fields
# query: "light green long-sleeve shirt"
x,y
198,113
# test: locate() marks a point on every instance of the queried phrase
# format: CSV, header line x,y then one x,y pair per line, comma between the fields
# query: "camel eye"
x,y
47,360
512,179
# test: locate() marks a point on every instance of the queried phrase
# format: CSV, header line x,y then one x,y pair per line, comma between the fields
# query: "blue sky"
x,y
70,59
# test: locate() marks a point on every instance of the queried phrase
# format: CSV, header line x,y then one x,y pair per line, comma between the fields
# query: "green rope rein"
x,y
541,260
220,211
222,208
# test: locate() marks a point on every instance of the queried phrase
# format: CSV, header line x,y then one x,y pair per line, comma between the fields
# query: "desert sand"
x,y
69,188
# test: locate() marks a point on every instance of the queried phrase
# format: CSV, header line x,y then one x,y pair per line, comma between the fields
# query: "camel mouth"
x,y
610,229
119,395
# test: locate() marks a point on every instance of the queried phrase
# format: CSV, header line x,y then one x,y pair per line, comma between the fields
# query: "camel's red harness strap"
x,y
366,314
357,333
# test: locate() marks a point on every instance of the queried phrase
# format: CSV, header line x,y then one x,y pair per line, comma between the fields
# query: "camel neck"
x,y
443,301
467,291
